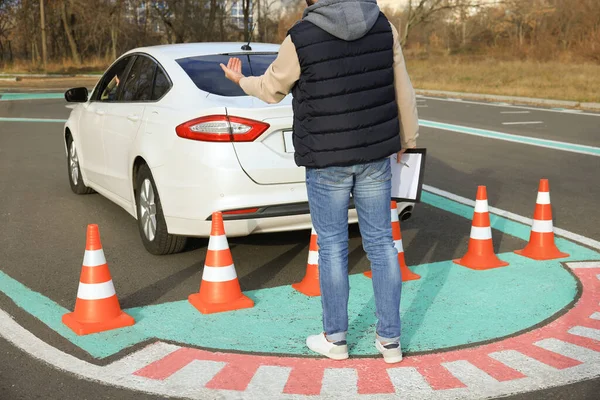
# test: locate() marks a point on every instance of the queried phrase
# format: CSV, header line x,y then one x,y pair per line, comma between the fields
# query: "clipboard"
x,y
407,176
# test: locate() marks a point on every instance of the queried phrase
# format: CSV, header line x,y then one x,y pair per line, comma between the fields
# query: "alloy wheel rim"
x,y
148,210
74,164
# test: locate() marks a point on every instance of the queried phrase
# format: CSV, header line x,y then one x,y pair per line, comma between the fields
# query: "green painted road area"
x,y
449,306
30,96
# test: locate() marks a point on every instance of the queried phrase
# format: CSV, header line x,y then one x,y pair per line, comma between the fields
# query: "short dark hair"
x,y
309,2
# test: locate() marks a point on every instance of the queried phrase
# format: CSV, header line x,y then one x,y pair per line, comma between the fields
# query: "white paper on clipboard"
x,y
407,176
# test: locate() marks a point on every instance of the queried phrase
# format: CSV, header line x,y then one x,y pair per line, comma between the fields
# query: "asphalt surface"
x,y
42,234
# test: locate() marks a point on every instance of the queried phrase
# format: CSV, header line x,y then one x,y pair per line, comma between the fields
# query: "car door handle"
x,y
100,112
133,117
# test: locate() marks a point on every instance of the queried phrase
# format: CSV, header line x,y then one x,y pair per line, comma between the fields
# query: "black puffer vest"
x,y
345,109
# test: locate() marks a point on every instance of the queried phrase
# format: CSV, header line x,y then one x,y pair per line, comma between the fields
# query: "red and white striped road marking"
x,y
565,350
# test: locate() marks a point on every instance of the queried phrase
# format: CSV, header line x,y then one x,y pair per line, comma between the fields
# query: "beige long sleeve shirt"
x,y
284,72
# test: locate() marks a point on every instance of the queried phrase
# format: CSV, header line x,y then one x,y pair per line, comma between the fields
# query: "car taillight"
x,y
221,128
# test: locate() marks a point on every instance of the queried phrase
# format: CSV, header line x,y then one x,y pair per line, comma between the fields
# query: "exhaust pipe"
x,y
406,213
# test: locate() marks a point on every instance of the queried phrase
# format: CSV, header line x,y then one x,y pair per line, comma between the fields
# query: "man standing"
x,y
354,106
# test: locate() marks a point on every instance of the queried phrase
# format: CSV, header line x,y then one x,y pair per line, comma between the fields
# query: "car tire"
x,y
150,217
74,170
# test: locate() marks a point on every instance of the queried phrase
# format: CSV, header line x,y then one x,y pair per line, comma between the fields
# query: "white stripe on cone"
x,y
481,206
94,258
481,233
394,214
543,198
219,274
398,246
542,226
217,243
313,257
96,291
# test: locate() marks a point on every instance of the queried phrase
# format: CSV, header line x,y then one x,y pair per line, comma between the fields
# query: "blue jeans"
x,y
329,192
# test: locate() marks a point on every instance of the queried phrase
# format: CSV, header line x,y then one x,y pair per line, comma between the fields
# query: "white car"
x,y
167,137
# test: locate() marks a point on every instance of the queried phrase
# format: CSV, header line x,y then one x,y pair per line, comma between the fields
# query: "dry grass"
x,y
91,66
575,82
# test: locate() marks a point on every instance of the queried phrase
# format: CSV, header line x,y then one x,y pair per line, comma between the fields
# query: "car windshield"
x,y
207,74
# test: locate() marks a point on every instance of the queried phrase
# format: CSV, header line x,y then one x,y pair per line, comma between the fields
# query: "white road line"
x,y
515,217
524,364
138,360
506,105
195,375
586,332
569,350
515,112
419,106
469,374
269,381
584,264
340,382
407,380
523,123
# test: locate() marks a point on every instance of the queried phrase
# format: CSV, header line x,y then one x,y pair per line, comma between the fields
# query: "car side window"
x,y
139,82
108,88
161,84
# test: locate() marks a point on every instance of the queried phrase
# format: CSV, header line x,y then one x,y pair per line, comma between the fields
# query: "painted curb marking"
x,y
508,137
511,366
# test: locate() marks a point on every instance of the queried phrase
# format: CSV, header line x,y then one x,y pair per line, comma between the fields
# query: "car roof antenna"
x,y
247,46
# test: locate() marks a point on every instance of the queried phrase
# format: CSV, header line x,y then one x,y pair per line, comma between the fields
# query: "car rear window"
x,y
207,74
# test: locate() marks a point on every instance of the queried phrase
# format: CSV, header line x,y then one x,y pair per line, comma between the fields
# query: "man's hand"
x,y
399,155
233,70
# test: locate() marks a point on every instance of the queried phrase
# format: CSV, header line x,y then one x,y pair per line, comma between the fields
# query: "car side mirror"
x,y
77,95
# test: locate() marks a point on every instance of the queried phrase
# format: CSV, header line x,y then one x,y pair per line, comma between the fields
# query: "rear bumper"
x,y
204,178
275,218
273,211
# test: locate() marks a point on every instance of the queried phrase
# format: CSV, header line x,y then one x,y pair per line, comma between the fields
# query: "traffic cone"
x,y
541,239
220,289
97,308
310,284
407,274
480,254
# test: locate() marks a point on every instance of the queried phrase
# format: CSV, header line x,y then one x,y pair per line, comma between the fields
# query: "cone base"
x,y
211,308
407,275
308,288
480,263
86,328
541,254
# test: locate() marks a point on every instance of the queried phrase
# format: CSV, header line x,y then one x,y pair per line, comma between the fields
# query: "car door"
x,y
122,123
89,136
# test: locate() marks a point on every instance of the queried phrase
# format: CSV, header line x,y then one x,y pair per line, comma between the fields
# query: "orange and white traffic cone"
x,y
310,284
480,254
407,274
220,289
97,308
541,244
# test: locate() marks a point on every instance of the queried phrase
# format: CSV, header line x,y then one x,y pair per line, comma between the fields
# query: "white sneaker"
x,y
319,344
392,353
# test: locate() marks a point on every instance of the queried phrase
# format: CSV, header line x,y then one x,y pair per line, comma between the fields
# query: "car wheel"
x,y
75,177
151,220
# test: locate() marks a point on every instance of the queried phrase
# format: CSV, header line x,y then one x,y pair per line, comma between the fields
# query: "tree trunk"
x,y
246,4
113,39
211,19
43,23
407,25
69,32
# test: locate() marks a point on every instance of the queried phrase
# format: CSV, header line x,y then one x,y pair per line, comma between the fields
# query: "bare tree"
x,y
68,20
